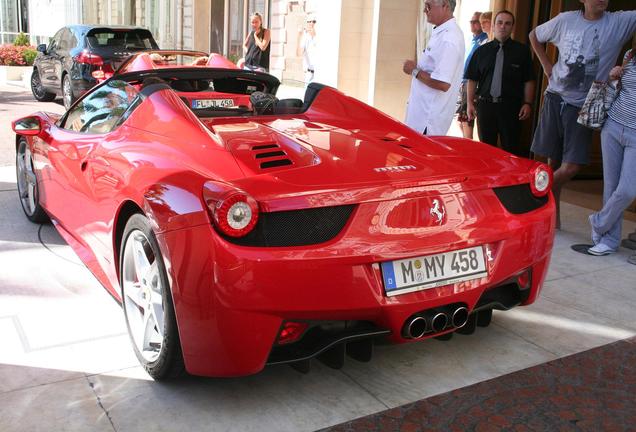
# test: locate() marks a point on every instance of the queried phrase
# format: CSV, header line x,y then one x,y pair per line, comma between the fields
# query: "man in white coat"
x,y
437,75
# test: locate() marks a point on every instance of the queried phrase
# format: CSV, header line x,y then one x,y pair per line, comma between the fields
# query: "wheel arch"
x,y
170,364
64,74
126,210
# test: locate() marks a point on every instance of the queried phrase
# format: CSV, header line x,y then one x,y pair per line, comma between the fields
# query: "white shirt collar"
x,y
444,26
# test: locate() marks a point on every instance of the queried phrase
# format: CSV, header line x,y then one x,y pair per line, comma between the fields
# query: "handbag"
x,y
597,104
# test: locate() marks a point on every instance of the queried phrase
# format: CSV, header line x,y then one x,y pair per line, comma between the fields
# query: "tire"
x,y
67,92
147,301
39,93
28,189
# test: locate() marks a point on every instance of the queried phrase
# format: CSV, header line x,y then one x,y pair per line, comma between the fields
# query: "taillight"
x,y
233,211
87,57
103,73
541,180
291,332
524,279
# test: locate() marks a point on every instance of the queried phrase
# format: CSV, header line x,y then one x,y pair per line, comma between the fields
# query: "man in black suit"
x,y
501,80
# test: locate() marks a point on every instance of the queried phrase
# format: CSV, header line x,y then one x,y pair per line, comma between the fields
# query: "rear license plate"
x,y
425,272
212,103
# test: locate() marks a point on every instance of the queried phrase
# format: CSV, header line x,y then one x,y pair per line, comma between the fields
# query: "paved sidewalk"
x,y
66,362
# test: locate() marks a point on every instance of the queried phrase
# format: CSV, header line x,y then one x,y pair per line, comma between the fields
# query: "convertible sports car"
x,y
239,230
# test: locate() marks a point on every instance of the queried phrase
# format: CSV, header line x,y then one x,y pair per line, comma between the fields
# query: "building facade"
x,y
13,19
362,43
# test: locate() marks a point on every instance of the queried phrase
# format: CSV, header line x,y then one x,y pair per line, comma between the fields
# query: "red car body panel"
x,y
231,300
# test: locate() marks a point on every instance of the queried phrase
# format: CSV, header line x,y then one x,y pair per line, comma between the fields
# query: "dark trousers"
x,y
500,120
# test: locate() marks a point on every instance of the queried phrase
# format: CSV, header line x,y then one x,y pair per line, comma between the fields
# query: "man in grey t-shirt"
x,y
589,42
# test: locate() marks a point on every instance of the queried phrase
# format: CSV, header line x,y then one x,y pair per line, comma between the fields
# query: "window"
x,y
257,6
217,26
66,42
8,21
159,17
131,39
237,29
102,110
55,41
72,39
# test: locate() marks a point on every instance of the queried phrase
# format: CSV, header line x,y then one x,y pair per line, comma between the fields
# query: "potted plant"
x,y
16,59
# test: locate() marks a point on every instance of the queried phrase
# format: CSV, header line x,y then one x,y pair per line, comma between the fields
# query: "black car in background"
x,y
80,56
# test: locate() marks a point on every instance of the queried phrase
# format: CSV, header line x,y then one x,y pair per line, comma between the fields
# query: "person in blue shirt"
x,y
479,38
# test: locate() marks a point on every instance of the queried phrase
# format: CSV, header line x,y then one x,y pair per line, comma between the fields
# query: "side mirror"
x,y
42,48
27,126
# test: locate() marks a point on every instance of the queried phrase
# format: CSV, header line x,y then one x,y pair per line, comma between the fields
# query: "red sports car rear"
x,y
276,231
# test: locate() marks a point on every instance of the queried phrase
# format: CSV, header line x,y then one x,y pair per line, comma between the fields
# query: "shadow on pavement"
x,y
15,227
21,98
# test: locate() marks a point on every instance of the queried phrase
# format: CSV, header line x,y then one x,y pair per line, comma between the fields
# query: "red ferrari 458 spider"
x,y
239,230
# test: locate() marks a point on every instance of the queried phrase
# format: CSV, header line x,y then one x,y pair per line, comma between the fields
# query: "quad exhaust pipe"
x,y
434,321
439,322
415,327
459,317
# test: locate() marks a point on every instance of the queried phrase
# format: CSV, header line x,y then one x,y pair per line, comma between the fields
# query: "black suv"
x,y
80,56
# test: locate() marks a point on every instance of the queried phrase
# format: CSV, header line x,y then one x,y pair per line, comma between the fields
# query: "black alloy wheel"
x,y
39,93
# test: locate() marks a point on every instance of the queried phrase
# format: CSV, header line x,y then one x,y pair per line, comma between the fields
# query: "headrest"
x,y
292,103
263,103
288,106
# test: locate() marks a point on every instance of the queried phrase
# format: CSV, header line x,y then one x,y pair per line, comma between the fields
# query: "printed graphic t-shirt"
x,y
587,50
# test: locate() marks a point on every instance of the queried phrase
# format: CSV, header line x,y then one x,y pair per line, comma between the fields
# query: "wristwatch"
x,y
414,72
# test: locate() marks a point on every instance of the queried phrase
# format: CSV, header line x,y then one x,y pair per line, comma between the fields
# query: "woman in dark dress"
x,y
256,46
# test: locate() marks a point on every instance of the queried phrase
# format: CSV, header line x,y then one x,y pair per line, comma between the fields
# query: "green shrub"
x,y
29,55
22,40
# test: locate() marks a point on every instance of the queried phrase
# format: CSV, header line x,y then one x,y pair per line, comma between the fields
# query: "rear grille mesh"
x,y
518,199
296,227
